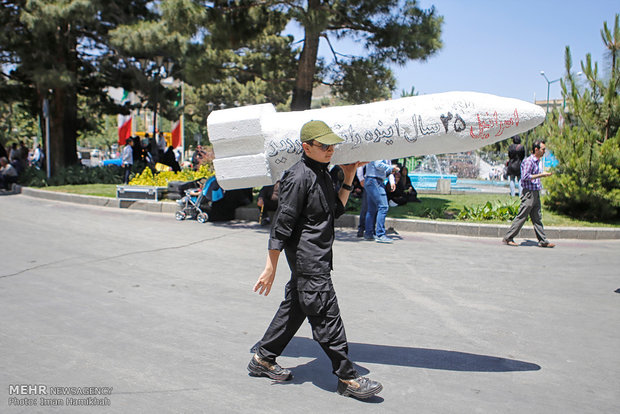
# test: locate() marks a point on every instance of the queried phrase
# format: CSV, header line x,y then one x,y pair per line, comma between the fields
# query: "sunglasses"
x,y
323,147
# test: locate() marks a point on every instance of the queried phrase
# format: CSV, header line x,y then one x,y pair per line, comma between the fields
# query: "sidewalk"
x,y
351,221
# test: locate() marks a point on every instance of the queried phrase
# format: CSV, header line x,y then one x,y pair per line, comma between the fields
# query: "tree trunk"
x,y
63,134
302,93
63,108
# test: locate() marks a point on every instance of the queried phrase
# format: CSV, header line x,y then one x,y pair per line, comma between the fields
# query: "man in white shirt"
x,y
161,144
127,159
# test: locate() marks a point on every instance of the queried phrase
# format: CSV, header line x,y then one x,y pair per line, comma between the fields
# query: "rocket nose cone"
x,y
538,110
536,113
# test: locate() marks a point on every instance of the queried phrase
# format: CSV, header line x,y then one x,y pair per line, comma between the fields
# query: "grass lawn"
x,y
438,205
100,190
443,207
452,204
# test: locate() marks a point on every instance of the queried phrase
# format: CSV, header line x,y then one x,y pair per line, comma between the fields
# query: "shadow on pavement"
x,y
530,243
414,357
315,371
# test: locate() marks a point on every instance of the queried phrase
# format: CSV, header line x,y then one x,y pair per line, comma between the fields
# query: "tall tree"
x,y
247,60
586,140
58,50
391,31
229,52
611,40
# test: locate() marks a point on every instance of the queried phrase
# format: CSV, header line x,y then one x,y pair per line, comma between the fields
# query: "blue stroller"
x,y
198,206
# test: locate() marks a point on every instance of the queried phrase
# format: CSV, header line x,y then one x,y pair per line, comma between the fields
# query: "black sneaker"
x,y
258,367
360,387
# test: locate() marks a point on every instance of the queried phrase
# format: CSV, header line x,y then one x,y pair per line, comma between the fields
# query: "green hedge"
x,y
74,175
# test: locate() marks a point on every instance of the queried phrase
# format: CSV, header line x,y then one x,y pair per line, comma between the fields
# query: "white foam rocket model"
x,y
253,145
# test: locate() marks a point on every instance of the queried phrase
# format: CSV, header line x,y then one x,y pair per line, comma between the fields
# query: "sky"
x,y
500,46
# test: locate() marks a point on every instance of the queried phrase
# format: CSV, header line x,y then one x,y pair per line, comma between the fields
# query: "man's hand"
x,y
264,282
349,171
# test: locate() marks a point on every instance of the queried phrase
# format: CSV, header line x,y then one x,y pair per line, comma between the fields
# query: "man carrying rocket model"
x,y
256,146
304,227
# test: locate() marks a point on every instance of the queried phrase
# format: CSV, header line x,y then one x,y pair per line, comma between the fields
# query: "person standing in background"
x,y
531,173
162,145
37,157
127,159
376,198
516,154
363,203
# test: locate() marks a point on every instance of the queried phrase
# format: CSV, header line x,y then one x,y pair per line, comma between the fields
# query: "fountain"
x,y
428,172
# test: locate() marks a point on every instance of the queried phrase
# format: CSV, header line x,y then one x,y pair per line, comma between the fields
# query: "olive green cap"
x,y
320,132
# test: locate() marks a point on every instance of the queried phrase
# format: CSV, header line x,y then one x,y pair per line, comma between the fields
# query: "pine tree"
x,y
228,53
59,50
586,140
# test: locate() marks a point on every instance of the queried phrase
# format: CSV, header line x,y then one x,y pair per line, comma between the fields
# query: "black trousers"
x,y
322,311
127,172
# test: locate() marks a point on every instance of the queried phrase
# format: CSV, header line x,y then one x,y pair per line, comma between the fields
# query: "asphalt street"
x,y
140,313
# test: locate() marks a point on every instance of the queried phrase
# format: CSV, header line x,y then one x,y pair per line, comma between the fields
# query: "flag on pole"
x,y
124,129
124,122
176,134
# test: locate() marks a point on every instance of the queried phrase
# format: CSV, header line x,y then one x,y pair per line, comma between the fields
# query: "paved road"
x,y
162,312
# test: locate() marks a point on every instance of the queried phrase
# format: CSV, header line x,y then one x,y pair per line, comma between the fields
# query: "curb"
x,y
465,229
152,206
349,220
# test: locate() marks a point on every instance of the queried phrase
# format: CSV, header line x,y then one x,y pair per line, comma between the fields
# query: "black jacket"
x,y
304,221
516,154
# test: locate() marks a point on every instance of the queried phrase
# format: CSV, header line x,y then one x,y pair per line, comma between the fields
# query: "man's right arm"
x,y
291,200
265,280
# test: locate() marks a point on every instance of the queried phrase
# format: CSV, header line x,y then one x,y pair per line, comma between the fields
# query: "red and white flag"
x,y
124,122
124,129
176,134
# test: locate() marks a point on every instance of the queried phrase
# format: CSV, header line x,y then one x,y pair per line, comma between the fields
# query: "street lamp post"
x,y
161,65
542,72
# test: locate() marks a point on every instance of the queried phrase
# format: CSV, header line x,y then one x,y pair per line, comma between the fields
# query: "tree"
x,y
59,50
611,40
392,31
243,59
228,53
586,183
16,124
412,92
364,81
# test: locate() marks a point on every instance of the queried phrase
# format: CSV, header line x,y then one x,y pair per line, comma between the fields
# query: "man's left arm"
x,y
541,175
